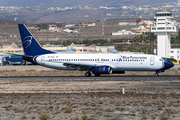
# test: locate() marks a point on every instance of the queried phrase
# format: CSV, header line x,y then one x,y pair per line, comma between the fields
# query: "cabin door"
x,y
152,61
42,59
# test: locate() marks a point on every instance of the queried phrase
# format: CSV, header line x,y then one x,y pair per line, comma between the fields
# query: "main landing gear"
x,y
97,75
87,74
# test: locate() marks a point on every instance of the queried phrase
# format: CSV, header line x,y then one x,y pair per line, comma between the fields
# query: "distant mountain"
x,y
64,3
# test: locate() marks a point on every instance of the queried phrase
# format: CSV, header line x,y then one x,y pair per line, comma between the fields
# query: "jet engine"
x,y
102,70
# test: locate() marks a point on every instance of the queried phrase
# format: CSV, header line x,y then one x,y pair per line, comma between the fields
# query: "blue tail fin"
x,y
30,45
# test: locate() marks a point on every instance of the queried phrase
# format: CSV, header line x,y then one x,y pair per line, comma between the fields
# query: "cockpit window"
x,y
163,59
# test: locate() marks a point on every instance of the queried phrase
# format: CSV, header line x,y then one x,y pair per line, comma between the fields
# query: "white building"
x,y
141,27
52,27
70,25
127,23
175,53
69,31
148,22
164,25
123,32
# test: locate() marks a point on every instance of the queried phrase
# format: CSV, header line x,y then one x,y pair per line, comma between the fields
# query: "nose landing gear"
x,y
156,74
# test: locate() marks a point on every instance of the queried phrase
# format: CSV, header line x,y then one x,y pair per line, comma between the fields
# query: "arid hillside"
x,y
8,23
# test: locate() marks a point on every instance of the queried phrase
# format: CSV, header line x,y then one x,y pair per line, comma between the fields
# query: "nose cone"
x,y
167,65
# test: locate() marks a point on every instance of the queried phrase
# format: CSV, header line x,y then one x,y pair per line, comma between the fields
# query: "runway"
x,y
106,78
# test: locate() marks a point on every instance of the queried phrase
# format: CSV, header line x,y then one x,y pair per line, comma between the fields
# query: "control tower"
x,y
164,25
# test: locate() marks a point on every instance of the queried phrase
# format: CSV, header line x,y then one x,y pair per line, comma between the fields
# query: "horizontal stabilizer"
x,y
22,55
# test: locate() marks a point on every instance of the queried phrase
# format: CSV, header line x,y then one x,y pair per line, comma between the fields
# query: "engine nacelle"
x,y
102,70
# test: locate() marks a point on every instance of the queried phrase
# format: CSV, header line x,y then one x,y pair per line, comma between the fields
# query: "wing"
x,y
77,66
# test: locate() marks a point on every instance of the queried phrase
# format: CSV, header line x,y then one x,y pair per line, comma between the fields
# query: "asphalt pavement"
x,y
122,77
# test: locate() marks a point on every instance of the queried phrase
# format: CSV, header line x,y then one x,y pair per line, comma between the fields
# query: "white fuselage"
x,y
118,62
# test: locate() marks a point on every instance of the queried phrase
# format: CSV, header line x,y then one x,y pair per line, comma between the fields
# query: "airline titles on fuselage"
x,y
122,58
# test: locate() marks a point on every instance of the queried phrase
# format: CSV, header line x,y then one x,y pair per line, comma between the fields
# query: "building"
x,y
81,49
141,27
89,25
123,32
10,48
127,23
148,23
54,28
70,31
58,48
175,53
7,59
164,25
69,25
144,31
141,22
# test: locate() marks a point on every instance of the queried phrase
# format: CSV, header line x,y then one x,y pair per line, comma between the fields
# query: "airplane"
x,y
97,63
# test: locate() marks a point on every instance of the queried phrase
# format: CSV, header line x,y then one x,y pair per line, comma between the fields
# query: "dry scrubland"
x,y
78,99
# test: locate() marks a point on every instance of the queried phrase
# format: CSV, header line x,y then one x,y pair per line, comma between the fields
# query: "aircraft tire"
x,y
97,75
156,74
87,74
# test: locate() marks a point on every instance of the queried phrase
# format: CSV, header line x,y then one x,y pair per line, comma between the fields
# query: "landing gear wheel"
x,y
156,74
97,74
87,74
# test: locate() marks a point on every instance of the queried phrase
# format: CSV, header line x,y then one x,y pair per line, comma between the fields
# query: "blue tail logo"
x,y
28,41
30,45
